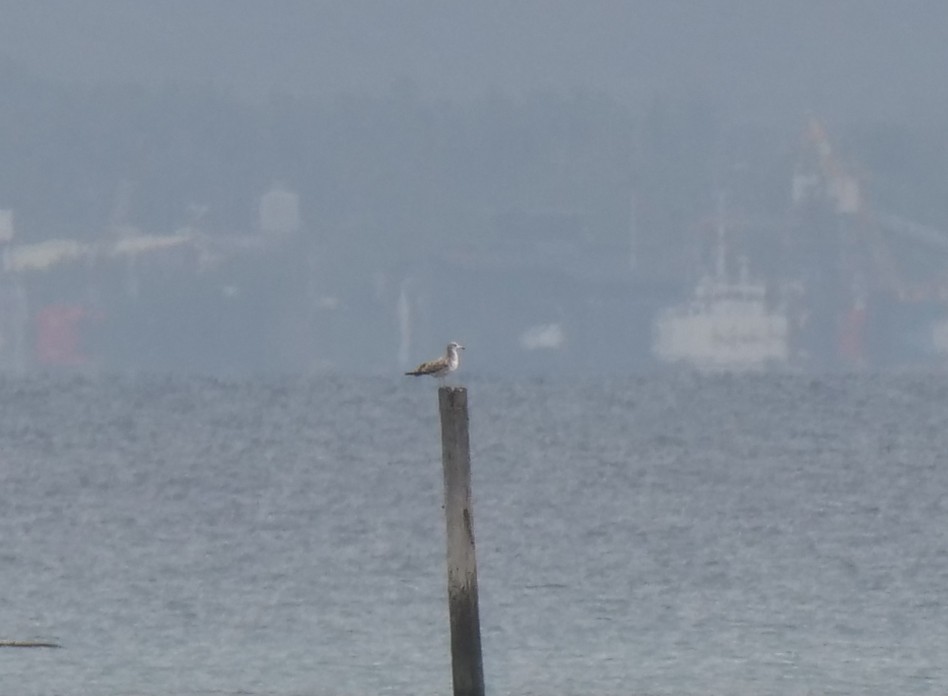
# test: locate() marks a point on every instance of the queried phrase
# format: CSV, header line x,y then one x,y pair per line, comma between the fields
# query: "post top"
x,y
453,397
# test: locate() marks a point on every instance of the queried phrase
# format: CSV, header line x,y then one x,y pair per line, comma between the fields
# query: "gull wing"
x,y
430,367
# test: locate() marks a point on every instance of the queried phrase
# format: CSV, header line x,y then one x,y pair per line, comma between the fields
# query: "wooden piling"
x,y
466,664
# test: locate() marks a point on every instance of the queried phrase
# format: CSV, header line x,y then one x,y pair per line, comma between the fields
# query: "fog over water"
x,y
301,188
871,59
697,253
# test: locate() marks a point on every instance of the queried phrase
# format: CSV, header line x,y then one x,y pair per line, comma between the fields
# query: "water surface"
x,y
667,535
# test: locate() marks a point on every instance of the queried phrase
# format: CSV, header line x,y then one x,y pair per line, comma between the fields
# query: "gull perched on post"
x,y
440,367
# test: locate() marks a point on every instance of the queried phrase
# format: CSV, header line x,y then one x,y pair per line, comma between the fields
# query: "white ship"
x,y
727,325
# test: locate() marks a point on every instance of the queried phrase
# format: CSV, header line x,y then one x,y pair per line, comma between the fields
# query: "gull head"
x,y
454,346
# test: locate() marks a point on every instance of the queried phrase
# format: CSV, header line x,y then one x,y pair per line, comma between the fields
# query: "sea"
x,y
674,534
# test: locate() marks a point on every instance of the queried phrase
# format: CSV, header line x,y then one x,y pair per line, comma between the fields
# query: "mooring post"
x,y
466,665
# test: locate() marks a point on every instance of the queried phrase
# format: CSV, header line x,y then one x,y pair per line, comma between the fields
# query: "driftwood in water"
x,y
28,644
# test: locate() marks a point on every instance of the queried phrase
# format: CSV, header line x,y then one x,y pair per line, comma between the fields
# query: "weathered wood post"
x,y
466,665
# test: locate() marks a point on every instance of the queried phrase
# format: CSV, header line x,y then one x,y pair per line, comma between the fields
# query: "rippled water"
x,y
669,535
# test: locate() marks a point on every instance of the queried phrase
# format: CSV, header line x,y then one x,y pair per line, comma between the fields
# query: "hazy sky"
x,y
845,59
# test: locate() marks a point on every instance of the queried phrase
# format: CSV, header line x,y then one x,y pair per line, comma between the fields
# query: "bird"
x,y
440,367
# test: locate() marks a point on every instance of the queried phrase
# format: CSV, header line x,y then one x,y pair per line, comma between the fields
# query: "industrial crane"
x,y
863,252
